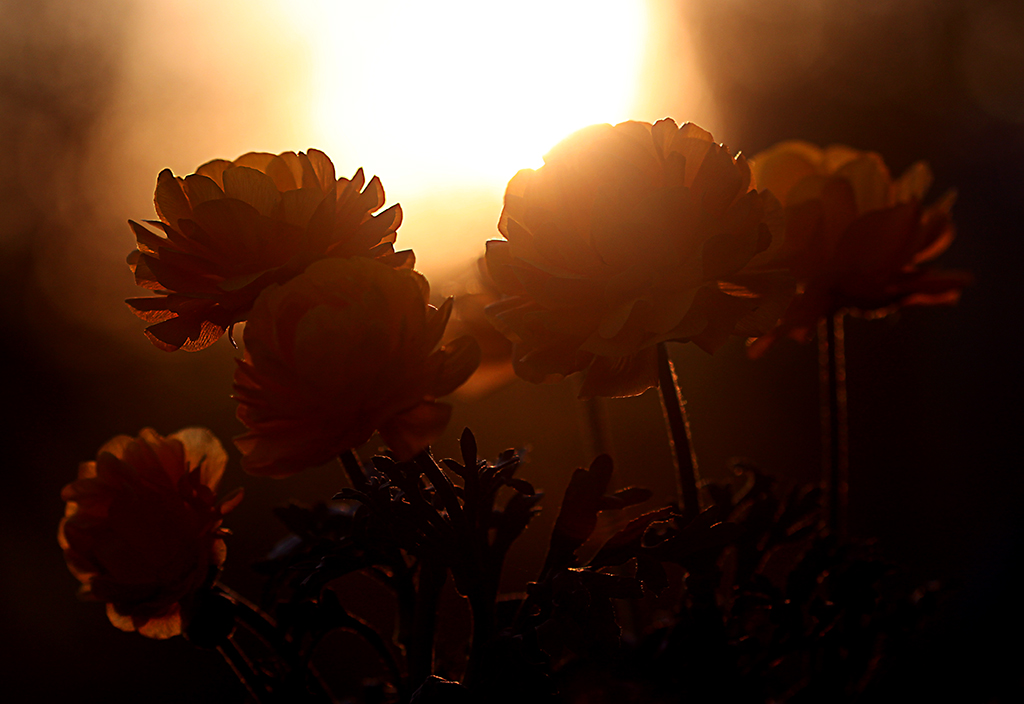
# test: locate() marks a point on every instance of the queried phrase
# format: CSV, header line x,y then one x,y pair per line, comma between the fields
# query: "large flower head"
x,y
629,236
234,227
855,237
141,529
347,348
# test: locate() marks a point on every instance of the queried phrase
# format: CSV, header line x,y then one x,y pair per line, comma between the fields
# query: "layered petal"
x,y
855,239
141,529
231,229
618,243
345,349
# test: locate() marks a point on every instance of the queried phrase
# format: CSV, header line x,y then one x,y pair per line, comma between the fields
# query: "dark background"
x,y
934,393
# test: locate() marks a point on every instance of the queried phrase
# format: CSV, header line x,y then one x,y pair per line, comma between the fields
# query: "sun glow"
x,y
462,93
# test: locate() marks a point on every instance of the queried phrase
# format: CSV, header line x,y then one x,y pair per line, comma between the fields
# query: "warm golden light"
x,y
460,92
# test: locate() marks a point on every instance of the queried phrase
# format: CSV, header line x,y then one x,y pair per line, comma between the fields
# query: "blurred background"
x,y
444,101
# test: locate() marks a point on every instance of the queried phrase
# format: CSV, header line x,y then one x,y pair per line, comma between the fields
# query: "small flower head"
x,y
234,227
345,349
141,530
629,236
855,238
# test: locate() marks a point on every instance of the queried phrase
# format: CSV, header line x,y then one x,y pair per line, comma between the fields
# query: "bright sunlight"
x,y
462,93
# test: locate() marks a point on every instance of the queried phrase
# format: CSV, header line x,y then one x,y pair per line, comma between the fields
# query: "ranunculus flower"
x,y
855,238
629,236
141,531
234,227
347,348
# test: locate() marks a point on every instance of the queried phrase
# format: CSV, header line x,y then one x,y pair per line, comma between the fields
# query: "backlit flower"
x,y
347,348
629,236
234,227
141,529
855,238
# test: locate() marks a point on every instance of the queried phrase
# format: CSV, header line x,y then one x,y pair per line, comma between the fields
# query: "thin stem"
x,y
679,434
405,593
243,669
377,643
835,455
264,629
400,581
597,425
420,651
482,605
354,469
257,622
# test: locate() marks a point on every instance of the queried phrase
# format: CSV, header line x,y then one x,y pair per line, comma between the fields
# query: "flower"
x,y
234,227
141,530
346,348
855,238
629,236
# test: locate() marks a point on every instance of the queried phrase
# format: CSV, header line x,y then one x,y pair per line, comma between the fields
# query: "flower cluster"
x,y
234,227
629,236
340,343
142,527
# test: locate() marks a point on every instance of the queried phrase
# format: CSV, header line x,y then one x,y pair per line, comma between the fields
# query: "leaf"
x,y
577,518
703,533
467,442
521,485
625,544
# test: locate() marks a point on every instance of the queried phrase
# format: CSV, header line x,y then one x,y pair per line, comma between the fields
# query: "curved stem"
x,y
263,627
244,670
371,636
679,433
835,455
254,619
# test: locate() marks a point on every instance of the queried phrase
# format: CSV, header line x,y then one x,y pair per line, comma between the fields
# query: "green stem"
x,y
679,434
835,454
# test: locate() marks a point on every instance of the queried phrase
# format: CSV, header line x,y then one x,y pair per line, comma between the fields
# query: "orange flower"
x,y
233,228
142,526
347,348
629,236
855,238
